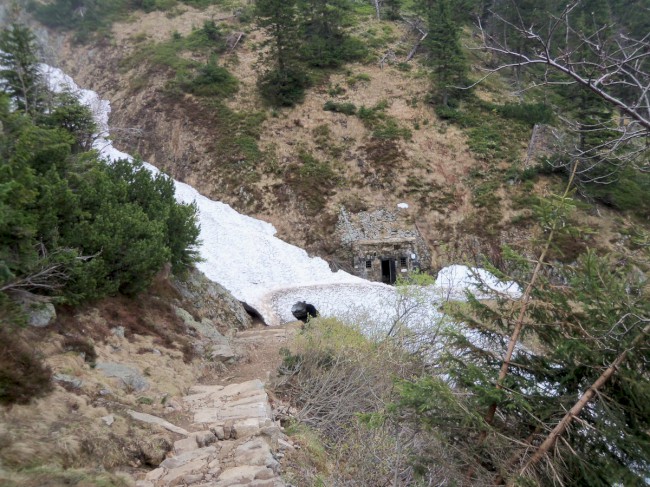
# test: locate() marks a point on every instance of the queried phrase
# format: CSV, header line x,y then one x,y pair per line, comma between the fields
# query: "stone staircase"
x,y
234,441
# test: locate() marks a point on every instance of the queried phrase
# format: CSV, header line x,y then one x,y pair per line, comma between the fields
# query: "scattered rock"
x,y
130,376
118,331
148,418
245,428
68,380
109,420
174,405
39,313
205,454
222,352
255,452
204,438
175,474
185,445
219,432
239,475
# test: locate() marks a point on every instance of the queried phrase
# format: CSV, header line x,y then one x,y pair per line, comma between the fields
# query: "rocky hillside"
x,y
365,138
94,377
296,168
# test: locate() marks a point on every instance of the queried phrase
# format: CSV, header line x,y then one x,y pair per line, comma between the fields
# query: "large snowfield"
x,y
243,255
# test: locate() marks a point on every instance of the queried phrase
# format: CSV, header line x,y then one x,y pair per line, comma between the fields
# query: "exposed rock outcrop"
x,y
212,301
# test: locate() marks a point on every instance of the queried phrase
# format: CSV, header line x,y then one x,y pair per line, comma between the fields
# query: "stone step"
x,y
217,401
260,409
263,334
237,450
148,418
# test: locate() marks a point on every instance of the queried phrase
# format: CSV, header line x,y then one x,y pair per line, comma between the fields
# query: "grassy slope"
x,y
296,167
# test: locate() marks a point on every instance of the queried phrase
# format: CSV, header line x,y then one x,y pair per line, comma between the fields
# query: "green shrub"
x,y
283,88
106,228
529,113
312,180
211,80
23,375
628,192
390,129
345,108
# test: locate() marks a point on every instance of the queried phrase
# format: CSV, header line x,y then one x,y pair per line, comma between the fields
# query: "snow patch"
x,y
243,255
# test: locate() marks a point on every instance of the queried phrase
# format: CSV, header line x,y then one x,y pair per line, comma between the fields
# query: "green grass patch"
x,y
312,180
388,128
238,134
495,132
345,108
207,79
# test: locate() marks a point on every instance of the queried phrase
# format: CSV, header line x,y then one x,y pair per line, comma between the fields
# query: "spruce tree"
x,y
584,348
445,53
284,82
19,72
326,44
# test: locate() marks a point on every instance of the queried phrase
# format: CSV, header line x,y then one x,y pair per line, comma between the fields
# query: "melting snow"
x,y
243,255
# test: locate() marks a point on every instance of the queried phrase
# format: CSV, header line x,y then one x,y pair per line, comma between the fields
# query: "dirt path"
x,y
261,348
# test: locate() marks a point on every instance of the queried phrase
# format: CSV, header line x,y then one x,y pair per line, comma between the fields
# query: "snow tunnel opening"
x,y
255,315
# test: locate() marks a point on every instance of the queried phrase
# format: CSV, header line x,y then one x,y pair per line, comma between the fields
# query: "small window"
x,y
368,264
402,261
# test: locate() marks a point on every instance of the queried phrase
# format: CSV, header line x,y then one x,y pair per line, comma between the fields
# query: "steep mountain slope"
x,y
422,160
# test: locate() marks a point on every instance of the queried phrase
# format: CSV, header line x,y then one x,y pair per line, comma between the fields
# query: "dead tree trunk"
x,y
415,47
377,8
417,25
577,408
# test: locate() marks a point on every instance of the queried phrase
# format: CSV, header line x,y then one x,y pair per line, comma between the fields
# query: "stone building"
x,y
382,245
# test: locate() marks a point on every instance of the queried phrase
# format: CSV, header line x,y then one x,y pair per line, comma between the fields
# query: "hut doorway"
x,y
388,271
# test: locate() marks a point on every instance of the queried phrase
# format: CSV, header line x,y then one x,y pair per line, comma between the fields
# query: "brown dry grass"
x,y
179,136
63,428
159,26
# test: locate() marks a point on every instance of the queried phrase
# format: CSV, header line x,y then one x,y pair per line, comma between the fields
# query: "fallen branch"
x,y
234,45
389,55
577,408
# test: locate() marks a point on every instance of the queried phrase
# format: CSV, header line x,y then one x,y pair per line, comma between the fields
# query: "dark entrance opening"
x,y
388,271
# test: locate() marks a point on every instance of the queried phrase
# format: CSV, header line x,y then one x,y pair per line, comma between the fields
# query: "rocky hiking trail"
x,y
231,436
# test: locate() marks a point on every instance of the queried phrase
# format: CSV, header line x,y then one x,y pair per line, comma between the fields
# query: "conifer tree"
x,y
326,44
445,53
19,74
285,80
590,323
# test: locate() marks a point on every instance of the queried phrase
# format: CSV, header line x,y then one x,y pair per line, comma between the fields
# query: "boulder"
x,y
40,313
148,418
109,420
211,300
68,380
130,376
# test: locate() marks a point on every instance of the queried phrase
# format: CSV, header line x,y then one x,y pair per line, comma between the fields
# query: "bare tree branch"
x,y
614,67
